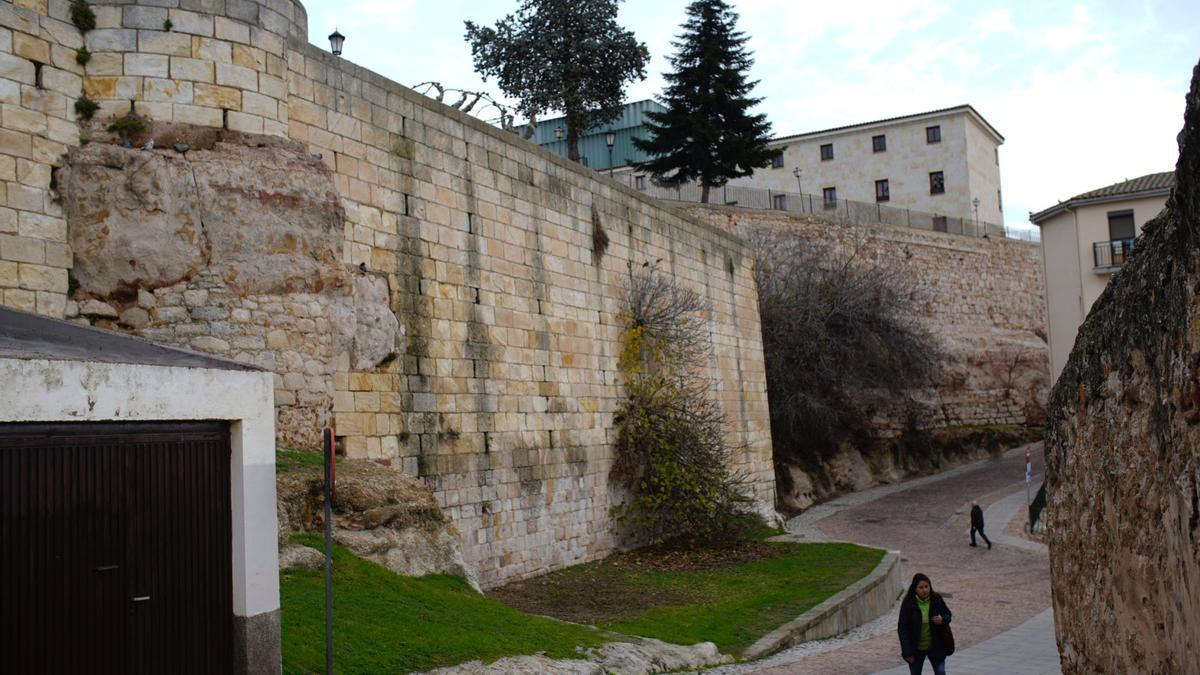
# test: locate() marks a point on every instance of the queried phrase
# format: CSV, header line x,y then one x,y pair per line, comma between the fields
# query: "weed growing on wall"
x,y
82,16
672,455
85,108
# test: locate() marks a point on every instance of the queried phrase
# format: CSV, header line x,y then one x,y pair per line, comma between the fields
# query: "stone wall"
x,y
1123,453
983,297
426,281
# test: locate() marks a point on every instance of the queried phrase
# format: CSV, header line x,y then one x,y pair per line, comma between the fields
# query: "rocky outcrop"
x,y
645,655
1123,453
265,219
867,463
230,245
378,513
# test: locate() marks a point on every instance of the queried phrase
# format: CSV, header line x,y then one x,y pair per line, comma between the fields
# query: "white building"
x,y
938,162
1084,241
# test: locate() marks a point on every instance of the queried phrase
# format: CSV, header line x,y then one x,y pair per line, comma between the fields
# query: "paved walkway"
x,y
1000,597
1024,650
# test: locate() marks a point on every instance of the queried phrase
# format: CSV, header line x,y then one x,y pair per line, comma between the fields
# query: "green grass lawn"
x,y
732,605
387,623
287,459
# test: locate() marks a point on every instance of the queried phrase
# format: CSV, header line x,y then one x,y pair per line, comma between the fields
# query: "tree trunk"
x,y
572,142
704,188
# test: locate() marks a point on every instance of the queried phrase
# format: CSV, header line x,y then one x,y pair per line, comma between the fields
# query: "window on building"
x,y
827,151
879,143
777,161
882,193
779,202
933,134
940,224
997,156
999,202
937,183
830,197
1120,225
639,182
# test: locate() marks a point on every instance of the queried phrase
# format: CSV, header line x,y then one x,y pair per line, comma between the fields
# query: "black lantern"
x,y
610,139
335,42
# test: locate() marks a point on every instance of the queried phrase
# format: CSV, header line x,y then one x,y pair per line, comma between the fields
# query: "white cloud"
x,y
995,21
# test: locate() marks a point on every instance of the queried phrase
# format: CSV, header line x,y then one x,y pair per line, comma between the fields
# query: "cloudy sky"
x,y
1086,94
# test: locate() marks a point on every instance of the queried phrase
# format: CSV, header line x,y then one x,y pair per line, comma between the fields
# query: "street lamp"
x,y
610,139
799,186
975,203
558,133
335,42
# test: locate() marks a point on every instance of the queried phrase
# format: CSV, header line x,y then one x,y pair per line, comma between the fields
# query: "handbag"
x,y
946,637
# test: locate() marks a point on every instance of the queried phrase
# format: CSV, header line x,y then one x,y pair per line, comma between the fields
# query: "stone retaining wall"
x,y
463,329
861,602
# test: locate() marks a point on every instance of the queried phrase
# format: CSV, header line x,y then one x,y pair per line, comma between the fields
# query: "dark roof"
x,y
1150,185
1147,183
29,336
966,107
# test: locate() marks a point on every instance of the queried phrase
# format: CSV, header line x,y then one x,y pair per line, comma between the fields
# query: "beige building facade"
x,y
1085,240
936,162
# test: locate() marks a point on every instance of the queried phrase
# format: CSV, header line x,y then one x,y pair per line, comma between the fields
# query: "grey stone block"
x,y
242,10
256,644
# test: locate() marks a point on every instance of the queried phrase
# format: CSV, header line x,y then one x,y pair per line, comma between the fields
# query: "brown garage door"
x,y
116,548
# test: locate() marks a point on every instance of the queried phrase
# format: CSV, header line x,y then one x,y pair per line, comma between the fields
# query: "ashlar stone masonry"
x,y
421,279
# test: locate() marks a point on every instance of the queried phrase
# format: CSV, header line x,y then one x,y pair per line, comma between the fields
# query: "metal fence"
x,y
838,210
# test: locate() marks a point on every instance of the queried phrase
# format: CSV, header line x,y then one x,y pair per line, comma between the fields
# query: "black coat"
x,y
977,517
909,626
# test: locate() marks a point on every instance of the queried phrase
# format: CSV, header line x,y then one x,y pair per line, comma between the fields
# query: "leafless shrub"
x,y
841,338
671,449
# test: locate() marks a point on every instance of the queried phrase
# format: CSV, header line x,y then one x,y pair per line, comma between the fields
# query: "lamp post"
x,y
610,139
975,203
799,186
335,42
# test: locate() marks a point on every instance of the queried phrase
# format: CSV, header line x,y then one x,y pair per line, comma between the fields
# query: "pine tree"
x,y
707,132
561,55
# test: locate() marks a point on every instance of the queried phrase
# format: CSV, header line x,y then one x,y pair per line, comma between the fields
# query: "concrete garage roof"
x,y
29,336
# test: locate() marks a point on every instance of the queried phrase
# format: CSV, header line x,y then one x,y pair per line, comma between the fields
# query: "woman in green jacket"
x,y
922,615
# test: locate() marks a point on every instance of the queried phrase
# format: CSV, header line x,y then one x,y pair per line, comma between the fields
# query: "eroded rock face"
x,y
1123,453
379,513
376,328
265,219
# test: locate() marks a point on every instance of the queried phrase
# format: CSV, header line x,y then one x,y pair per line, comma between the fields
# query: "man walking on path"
x,y
977,524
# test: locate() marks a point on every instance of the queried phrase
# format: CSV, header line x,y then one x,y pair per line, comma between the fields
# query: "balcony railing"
x,y
1111,255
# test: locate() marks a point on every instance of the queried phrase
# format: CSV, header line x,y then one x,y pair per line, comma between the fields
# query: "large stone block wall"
x,y
498,388
984,298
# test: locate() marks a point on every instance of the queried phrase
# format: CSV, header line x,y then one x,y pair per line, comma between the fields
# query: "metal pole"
x,y
1028,480
610,164
328,551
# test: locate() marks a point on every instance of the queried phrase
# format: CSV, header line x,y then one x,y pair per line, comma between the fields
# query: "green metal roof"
x,y
629,125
